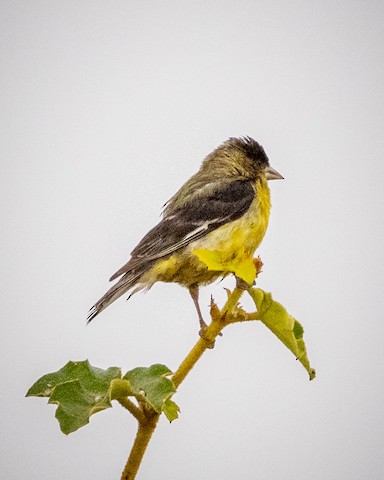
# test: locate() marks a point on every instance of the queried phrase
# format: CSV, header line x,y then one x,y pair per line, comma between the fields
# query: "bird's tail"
x,y
126,282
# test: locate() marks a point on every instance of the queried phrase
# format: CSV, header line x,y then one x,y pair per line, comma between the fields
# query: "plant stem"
x,y
131,407
148,418
143,436
197,351
189,362
233,298
219,321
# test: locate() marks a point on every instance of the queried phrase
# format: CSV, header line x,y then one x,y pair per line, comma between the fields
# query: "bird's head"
x,y
250,158
242,157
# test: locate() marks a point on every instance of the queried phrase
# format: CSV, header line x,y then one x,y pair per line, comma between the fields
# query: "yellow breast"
x,y
235,240
244,235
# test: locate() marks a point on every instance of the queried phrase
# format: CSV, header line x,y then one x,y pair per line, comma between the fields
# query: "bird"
x,y
224,207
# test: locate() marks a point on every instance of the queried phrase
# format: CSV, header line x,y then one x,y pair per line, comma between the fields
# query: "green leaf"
x,y
171,410
283,325
243,267
79,390
119,388
152,385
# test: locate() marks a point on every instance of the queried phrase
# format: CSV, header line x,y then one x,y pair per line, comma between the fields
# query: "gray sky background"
x,y
107,108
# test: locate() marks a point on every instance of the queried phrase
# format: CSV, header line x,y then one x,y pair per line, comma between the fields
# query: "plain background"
x,y
106,109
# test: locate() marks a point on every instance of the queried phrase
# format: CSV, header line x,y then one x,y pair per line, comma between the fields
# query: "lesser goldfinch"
x,y
223,207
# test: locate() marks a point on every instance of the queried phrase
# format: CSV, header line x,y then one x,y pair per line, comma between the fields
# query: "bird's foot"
x,y
202,333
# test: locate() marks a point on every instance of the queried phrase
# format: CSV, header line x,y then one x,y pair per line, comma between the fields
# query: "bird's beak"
x,y
273,174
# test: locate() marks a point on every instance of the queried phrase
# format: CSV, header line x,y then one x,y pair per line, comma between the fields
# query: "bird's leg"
x,y
194,292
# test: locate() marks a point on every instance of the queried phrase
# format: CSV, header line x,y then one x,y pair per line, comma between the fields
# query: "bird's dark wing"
x,y
191,222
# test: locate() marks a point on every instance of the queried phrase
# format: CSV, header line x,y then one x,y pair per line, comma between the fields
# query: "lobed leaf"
x,y
152,385
79,390
283,325
171,410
